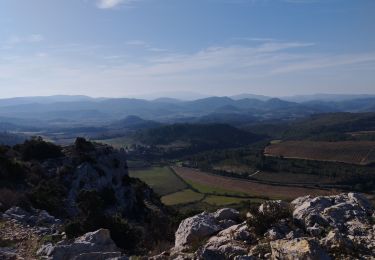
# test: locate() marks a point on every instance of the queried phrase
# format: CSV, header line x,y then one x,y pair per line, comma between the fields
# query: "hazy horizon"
x,y
191,96
127,48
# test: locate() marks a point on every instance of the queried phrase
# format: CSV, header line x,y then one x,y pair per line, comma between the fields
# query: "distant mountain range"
x,y
77,111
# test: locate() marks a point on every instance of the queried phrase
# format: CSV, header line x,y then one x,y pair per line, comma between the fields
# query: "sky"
x,y
122,48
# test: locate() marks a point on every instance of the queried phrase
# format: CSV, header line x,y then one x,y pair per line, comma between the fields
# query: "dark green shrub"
x,y
108,196
49,195
10,198
11,172
37,149
83,146
89,202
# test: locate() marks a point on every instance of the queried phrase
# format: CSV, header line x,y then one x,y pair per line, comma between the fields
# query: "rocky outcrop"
x,y
192,230
228,243
299,248
342,222
326,227
100,168
96,245
41,222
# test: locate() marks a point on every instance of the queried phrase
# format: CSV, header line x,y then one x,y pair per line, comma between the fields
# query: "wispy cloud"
x,y
215,68
15,39
109,4
136,43
302,1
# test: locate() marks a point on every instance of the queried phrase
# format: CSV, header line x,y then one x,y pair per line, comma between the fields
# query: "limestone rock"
x,y
334,211
96,245
260,250
227,244
227,214
299,248
196,228
334,242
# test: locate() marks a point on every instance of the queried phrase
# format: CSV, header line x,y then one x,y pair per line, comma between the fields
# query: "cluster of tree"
x,y
181,140
210,135
25,182
37,149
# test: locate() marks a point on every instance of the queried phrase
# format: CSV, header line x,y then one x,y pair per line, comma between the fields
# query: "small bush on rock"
x,y
267,215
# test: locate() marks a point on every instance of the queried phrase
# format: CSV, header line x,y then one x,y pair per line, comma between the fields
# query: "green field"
x,y
214,190
175,191
182,197
161,179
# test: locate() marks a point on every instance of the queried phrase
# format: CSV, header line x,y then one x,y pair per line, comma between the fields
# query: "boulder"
x,y
7,253
222,248
299,248
226,223
96,245
194,229
274,234
260,250
33,217
227,214
335,242
17,213
315,230
227,244
244,257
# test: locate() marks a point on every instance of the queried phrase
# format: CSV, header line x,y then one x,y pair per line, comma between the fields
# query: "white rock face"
x,y
96,245
108,171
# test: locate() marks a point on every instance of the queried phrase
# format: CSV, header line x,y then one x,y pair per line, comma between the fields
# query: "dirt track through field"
x,y
252,188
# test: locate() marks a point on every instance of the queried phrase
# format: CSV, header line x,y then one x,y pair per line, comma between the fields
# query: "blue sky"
x,y
124,48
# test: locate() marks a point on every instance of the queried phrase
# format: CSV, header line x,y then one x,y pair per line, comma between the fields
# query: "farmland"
x,y
161,179
223,200
353,152
182,197
288,178
177,191
253,189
